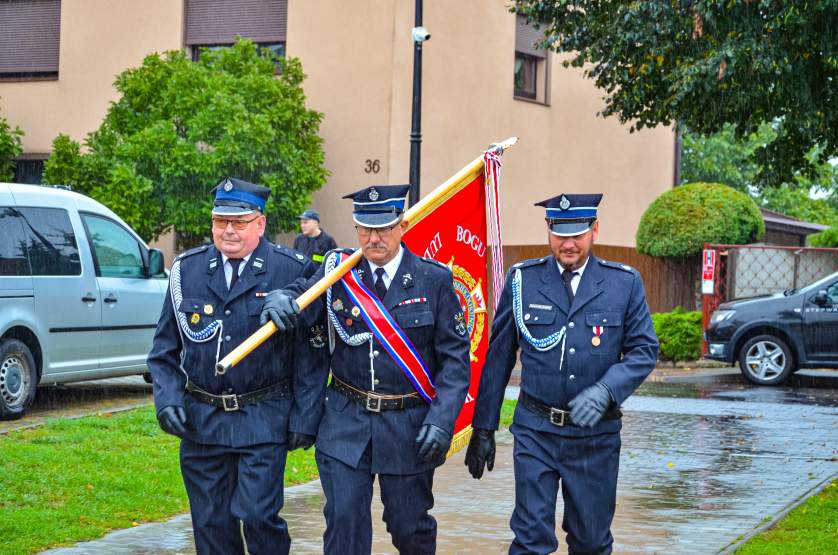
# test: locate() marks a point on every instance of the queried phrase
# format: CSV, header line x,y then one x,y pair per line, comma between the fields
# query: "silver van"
x,y
80,293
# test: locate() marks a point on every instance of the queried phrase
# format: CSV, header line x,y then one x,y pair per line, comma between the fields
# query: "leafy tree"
x,y
680,221
705,63
180,126
10,148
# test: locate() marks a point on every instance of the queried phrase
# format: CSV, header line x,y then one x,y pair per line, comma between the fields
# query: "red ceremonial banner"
x,y
455,235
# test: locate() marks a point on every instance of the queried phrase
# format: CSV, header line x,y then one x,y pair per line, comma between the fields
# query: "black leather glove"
x,y
433,443
281,309
172,420
298,440
480,452
587,408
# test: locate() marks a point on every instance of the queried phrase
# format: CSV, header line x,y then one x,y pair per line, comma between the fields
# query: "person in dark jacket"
x,y
400,374
313,241
587,342
237,427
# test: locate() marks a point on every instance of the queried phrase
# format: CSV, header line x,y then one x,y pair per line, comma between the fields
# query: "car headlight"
x,y
721,316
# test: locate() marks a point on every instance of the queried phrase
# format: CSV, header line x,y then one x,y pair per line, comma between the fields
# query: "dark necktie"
x,y
234,262
380,288
567,277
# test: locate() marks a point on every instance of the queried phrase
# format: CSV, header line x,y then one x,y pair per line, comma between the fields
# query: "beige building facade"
x,y
358,56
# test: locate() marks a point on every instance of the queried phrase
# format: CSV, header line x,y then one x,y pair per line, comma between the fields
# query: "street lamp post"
x,y
420,35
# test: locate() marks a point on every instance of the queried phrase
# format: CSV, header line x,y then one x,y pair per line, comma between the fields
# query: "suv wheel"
x,y
766,360
18,379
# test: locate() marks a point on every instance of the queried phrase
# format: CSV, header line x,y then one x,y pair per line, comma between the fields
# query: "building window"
x,y
526,75
29,39
532,64
277,48
29,168
215,24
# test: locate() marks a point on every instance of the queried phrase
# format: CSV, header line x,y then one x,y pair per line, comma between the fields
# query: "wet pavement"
x,y
701,465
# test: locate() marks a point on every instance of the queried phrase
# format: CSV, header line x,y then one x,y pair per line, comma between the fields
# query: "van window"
x,y
13,259
117,252
51,243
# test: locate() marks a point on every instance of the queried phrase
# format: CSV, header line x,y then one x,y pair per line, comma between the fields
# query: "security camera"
x,y
420,34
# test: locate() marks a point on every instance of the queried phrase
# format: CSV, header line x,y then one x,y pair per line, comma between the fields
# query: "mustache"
x,y
376,245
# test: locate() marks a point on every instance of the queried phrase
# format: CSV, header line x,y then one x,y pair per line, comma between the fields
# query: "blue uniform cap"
x,y
309,215
234,197
379,205
569,215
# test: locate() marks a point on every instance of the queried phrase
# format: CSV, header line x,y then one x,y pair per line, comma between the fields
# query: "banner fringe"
x,y
459,441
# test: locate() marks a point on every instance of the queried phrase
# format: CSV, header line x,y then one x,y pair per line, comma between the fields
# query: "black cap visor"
x,y
227,208
568,227
375,219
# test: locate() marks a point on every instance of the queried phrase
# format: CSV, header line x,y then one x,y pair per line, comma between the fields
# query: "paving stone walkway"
x,y
695,474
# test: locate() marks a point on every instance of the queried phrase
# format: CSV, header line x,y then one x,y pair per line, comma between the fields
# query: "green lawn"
x,y
810,528
74,480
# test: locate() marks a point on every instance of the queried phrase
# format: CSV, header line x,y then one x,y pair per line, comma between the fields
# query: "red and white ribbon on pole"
x,y
491,171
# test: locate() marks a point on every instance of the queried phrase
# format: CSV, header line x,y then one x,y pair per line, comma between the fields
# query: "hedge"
x,y
680,221
679,333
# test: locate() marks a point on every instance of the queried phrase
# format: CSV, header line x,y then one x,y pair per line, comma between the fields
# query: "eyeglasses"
x,y
364,231
238,225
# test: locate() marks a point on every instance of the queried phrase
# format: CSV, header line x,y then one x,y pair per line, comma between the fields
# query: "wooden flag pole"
x,y
412,216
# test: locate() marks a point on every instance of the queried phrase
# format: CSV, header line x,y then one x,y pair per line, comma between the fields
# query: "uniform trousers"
x,y
406,498
587,469
232,485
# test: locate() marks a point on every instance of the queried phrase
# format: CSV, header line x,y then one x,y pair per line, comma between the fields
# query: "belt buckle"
x,y
557,416
373,403
230,402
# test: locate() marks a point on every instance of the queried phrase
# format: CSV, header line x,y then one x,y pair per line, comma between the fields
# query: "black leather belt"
x,y
559,417
373,401
233,402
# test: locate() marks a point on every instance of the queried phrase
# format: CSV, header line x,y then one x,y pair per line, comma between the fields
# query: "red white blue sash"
x,y
382,324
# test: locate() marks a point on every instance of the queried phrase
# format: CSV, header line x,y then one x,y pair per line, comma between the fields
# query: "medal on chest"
x,y
595,340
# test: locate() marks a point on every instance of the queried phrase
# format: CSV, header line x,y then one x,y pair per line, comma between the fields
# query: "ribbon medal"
x,y
595,340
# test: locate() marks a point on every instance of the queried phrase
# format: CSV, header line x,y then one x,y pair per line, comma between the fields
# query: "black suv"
x,y
772,336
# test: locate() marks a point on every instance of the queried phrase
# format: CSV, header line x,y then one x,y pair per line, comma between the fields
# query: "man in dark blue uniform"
x,y
236,427
381,417
587,342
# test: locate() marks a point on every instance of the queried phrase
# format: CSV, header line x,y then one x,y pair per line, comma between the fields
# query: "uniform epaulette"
x,y
531,262
190,252
434,262
291,253
617,266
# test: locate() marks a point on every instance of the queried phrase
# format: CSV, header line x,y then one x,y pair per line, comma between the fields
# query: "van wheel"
x,y
766,360
18,379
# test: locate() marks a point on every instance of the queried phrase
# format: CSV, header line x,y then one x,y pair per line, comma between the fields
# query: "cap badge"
x,y
373,194
564,204
228,186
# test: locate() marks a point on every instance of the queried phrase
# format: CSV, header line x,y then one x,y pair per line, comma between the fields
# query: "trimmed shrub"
x,y
826,238
680,221
679,333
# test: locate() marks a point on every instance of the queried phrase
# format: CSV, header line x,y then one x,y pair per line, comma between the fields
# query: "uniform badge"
x,y
460,324
373,194
355,311
318,337
208,309
228,186
349,321
407,280
195,318
564,204
337,305
595,340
